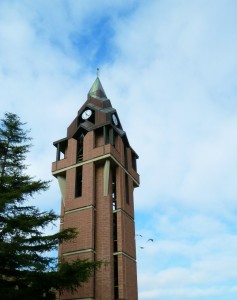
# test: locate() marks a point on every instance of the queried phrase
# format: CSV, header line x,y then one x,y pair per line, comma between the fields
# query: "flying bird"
x,y
150,240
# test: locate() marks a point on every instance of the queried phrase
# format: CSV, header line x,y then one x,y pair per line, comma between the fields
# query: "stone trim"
x,y
78,209
106,156
78,252
124,212
125,254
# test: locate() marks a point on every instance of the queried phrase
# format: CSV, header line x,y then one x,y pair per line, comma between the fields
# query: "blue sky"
x,y
170,69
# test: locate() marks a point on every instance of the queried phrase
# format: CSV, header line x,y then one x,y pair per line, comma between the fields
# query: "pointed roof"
x,y
97,90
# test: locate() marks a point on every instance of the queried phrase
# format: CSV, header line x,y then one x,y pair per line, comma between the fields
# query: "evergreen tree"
x,y
27,271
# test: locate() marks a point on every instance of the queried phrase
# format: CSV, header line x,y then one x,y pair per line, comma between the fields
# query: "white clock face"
x,y
86,114
115,120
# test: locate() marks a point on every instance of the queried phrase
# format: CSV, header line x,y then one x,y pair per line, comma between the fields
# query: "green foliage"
x,y
27,271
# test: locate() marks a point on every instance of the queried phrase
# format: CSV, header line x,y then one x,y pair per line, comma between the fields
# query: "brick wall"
x,y
92,215
103,241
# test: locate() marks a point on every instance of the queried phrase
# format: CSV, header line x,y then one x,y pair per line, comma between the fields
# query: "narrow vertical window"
x,y
114,200
106,135
58,153
78,183
111,137
116,290
61,150
127,188
125,157
80,149
115,234
134,162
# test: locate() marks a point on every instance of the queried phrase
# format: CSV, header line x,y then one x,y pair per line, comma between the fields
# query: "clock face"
x,y
86,114
115,119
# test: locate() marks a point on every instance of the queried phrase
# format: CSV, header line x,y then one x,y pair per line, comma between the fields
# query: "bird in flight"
x,y
143,238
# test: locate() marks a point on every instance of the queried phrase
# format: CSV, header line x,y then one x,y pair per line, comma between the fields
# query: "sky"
x,y
169,68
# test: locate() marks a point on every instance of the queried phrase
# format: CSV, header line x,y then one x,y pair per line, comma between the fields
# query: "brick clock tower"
x,y
96,170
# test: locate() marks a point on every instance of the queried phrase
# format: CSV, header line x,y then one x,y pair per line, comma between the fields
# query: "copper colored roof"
x,y
97,90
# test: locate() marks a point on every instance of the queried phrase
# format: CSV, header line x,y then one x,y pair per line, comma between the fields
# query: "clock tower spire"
x,y
96,170
97,90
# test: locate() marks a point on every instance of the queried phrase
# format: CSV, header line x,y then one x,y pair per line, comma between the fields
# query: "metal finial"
x,y
98,72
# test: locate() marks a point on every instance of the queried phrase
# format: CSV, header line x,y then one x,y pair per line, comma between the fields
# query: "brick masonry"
x,y
92,212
